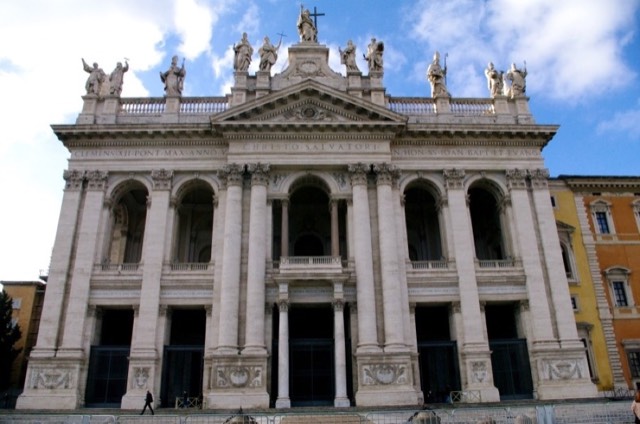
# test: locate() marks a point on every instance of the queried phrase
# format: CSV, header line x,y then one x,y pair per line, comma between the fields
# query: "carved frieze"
x,y
239,376
562,369
384,374
51,378
140,377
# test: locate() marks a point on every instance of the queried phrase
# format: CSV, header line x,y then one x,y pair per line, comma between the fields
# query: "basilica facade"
x,y
306,240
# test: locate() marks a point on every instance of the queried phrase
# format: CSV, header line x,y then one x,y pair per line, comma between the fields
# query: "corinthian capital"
x,y
454,178
539,178
96,180
516,178
259,173
73,179
231,174
386,173
359,173
162,179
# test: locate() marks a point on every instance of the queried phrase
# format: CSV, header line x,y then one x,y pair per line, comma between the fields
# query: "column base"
x,y
385,378
236,382
53,383
563,374
283,403
341,402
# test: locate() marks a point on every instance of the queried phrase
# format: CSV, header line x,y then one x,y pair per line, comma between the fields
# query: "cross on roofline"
x,y
315,15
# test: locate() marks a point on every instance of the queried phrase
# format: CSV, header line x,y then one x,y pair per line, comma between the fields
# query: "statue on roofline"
x,y
374,55
437,76
495,81
268,54
96,78
348,57
306,27
173,78
243,52
517,79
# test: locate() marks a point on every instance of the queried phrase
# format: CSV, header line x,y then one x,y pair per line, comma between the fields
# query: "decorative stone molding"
x,y
384,374
73,179
539,178
231,175
386,174
162,179
140,377
338,305
454,178
259,173
239,376
516,179
456,307
479,371
359,173
96,180
283,305
51,378
340,179
563,369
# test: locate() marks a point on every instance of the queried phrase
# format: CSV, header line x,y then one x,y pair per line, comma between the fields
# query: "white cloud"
x,y
626,122
194,22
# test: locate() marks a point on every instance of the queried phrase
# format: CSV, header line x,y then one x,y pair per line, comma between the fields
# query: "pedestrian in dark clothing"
x,y
148,400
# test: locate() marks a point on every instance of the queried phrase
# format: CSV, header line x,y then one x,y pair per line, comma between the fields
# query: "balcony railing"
x,y
422,265
124,267
496,263
189,266
309,264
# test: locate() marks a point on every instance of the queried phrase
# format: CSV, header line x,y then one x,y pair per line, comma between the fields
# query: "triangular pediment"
x,y
308,103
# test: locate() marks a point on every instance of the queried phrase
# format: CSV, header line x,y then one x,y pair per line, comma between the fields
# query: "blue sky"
x,y
582,56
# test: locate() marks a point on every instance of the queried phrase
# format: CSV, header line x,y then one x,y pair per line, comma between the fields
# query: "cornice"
x,y
577,183
68,132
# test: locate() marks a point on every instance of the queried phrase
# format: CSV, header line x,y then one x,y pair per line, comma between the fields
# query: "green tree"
x,y
9,335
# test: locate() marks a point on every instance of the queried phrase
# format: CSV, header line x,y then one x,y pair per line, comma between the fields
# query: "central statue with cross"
x,y
307,28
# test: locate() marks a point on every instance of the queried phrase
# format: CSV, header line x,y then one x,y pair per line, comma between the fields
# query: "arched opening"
x,y
309,221
486,223
194,225
308,245
423,226
128,217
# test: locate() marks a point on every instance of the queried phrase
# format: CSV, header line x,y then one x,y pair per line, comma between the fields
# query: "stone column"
x,y
254,329
59,267
367,333
85,254
284,229
552,253
230,279
283,400
391,289
475,352
144,347
335,237
340,356
541,325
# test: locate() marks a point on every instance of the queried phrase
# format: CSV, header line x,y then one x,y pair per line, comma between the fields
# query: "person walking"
x,y
148,400
635,407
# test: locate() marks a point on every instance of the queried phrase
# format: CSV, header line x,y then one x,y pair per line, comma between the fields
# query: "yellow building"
x,y
27,299
593,317
609,209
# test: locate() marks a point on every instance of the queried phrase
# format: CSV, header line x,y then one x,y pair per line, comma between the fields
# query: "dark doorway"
x,y
439,371
308,245
108,360
183,357
509,354
311,353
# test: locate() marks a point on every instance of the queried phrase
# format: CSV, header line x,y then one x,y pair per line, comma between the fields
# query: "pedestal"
x,y
236,382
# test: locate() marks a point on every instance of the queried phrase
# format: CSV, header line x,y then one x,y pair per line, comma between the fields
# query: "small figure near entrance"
x,y
148,400
635,407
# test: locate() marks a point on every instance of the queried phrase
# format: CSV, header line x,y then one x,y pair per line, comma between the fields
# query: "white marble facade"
x,y
204,204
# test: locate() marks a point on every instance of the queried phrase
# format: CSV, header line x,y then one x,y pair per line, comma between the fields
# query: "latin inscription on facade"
x,y
401,152
205,152
309,147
